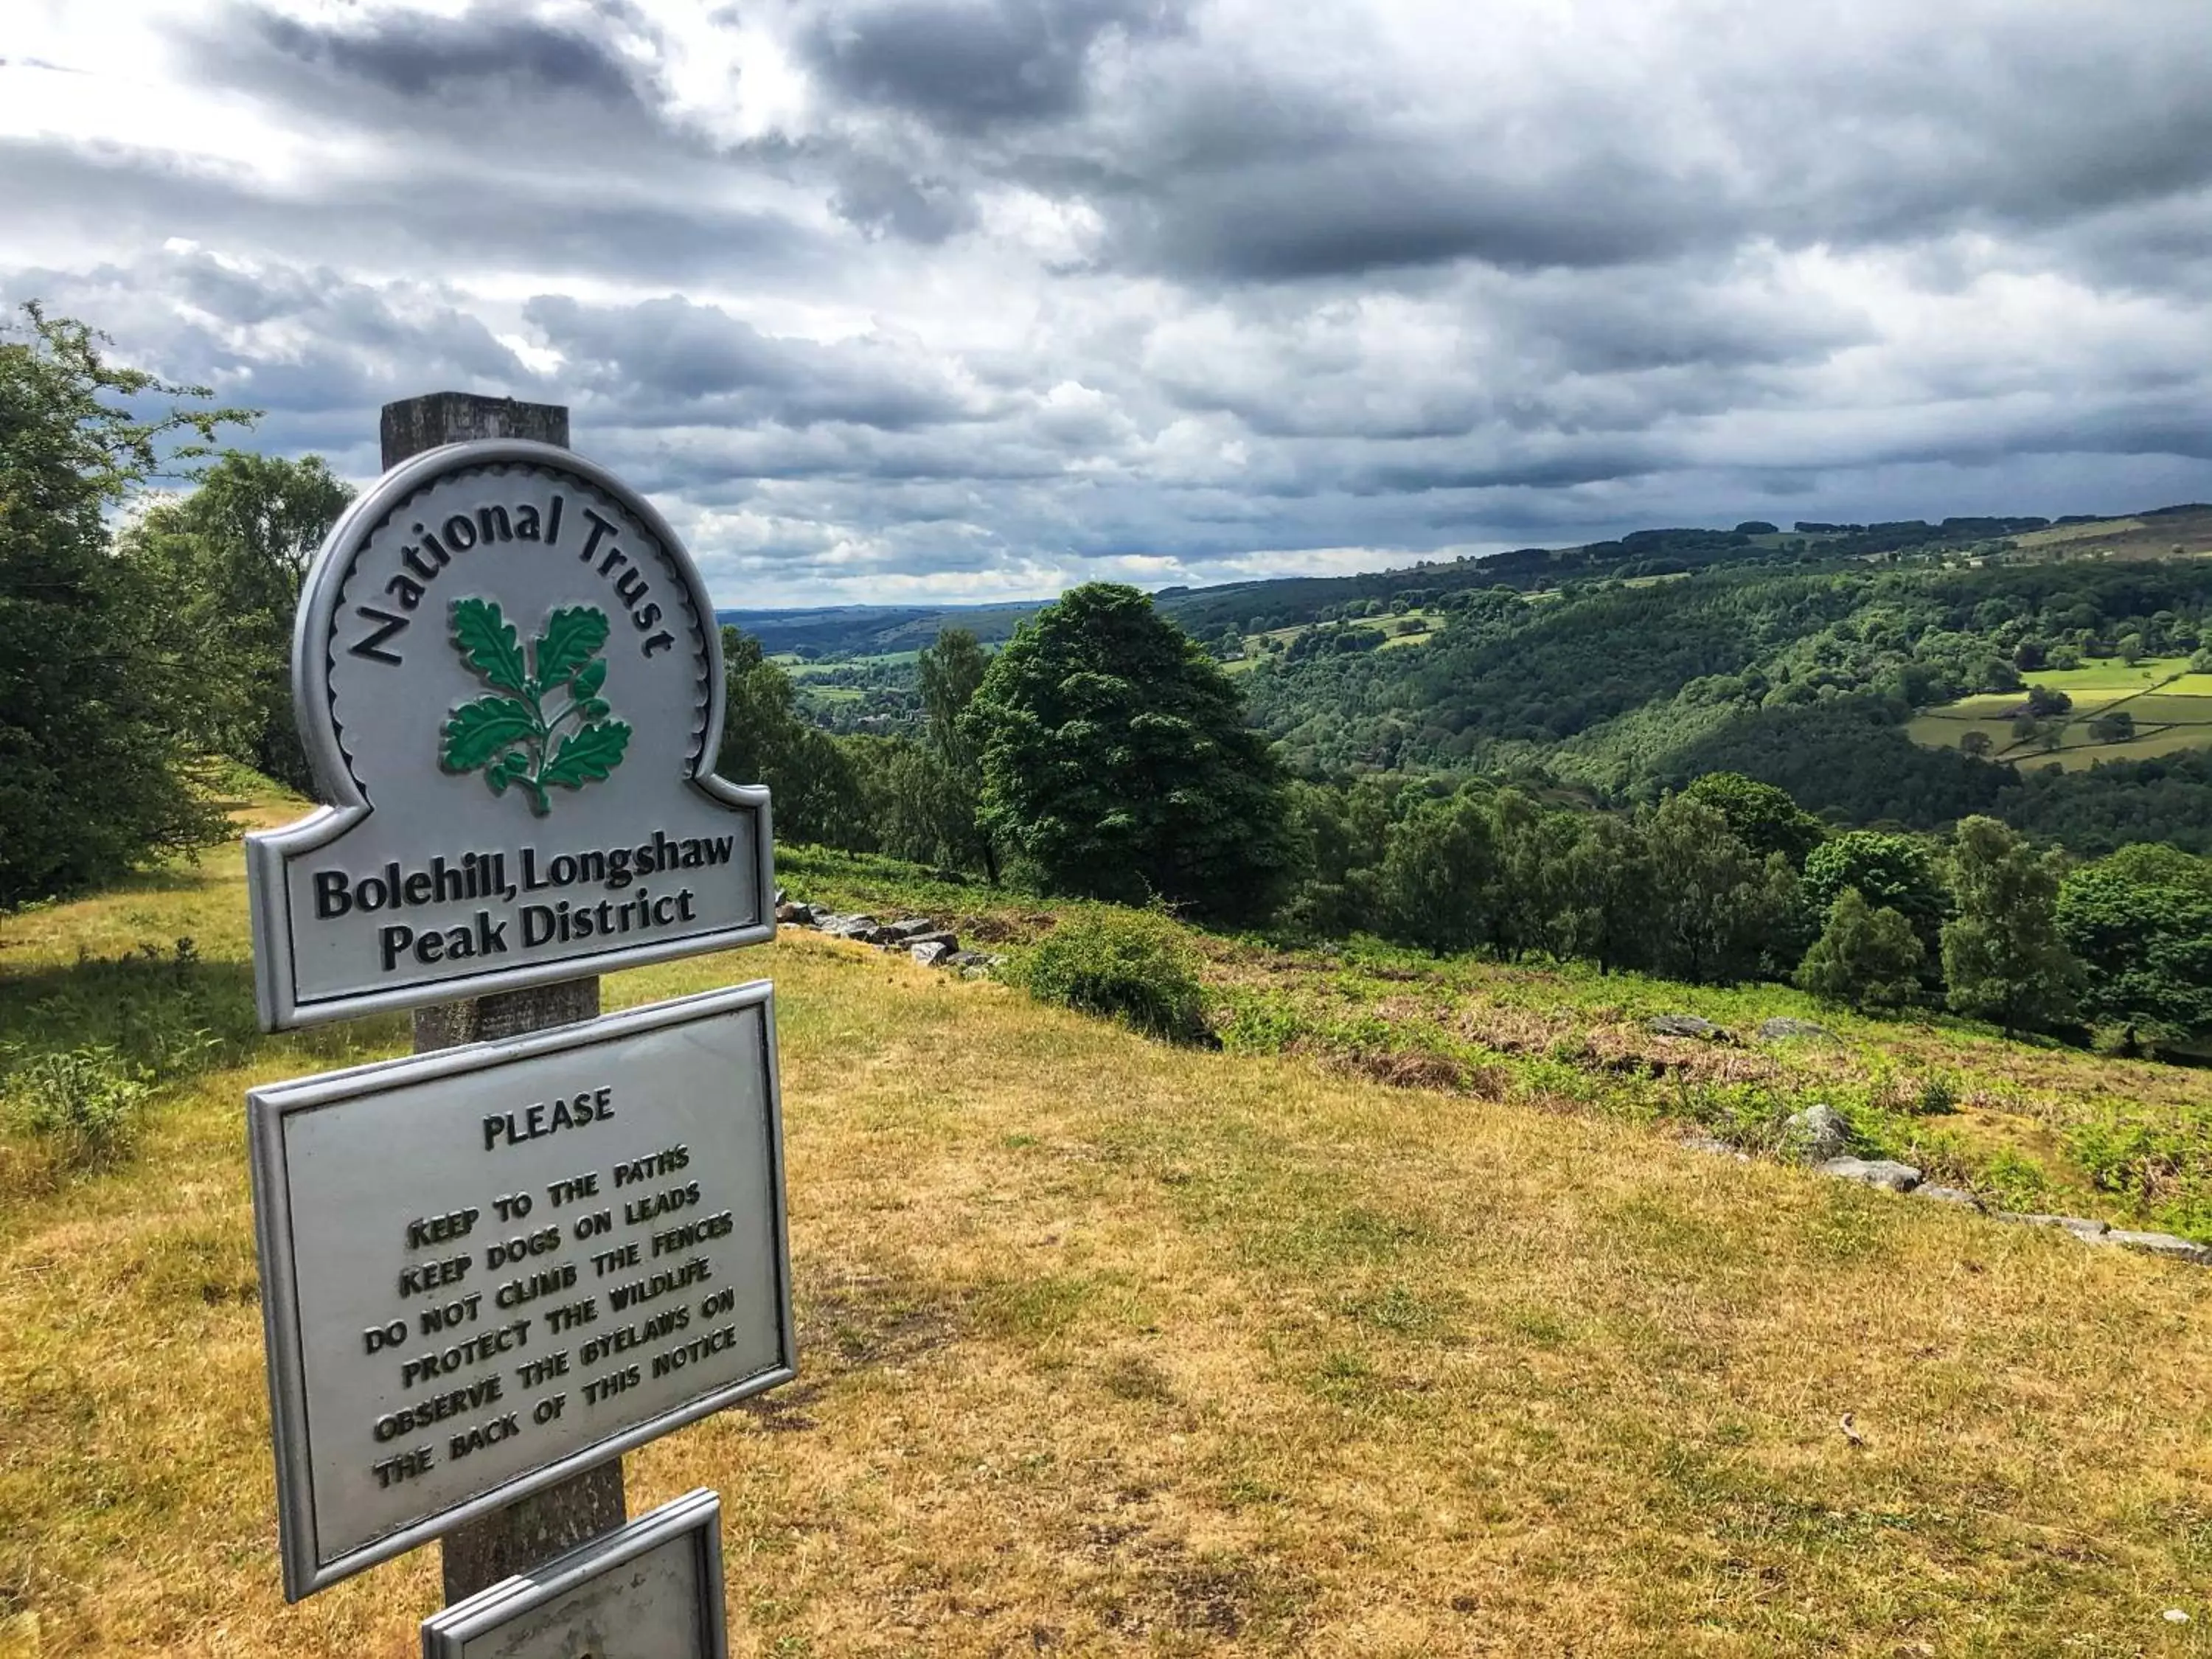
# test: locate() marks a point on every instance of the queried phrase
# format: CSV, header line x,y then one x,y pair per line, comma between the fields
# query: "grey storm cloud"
x,y
421,56
976,294
664,358
968,64
434,216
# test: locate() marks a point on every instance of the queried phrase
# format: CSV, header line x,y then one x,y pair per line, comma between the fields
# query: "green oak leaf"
x,y
489,644
478,731
516,740
572,638
590,752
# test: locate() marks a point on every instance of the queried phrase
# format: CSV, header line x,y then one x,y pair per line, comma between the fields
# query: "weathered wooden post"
x,y
550,1236
528,1534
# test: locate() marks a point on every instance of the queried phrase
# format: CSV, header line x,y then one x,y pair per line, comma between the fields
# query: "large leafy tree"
x,y
1763,818
1898,873
1116,762
2140,924
1866,956
2003,959
1720,912
1607,895
232,555
1439,883
104,707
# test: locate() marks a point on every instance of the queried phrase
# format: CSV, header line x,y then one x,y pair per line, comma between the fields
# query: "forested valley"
x,y
1702,755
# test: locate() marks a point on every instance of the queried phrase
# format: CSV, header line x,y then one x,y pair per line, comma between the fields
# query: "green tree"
x,y
1866,956
815,791
1763,818
1439,886
2140,922
1334,853
951,671
1535,851
1607,895
2114,725
233,554
1116,762
2004,960
1900,872
1720,913
104,709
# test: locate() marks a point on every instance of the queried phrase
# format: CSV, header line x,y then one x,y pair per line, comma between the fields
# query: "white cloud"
x,y
889,299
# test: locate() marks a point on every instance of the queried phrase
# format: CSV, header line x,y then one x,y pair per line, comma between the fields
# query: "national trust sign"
x,y
506,677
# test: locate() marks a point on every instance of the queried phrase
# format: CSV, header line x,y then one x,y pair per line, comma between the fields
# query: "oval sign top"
x,y
508,681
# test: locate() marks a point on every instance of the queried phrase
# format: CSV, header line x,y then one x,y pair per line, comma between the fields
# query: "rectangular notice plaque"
x,y
651,1590
486,1269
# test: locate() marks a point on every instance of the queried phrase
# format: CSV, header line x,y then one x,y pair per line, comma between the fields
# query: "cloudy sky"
x,y
961,299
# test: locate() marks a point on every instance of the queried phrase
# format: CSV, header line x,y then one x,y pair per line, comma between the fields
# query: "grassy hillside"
x,y
1109,1347
873,630
1846,682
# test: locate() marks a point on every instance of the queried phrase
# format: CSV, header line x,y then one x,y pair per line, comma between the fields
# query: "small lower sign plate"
x,y
486,1269
651,1589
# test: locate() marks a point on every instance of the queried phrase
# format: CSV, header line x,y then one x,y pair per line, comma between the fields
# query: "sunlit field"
x,y
1109,1347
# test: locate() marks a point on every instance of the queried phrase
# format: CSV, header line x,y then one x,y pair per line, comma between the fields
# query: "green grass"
x,y
1399,632
1539,1033
2108,677
2172,708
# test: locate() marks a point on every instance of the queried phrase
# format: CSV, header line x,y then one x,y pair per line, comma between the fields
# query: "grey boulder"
x,y
2180,1249
1781,1026
931,953
1817,1134
1875,1172
1683,1025
1957,1195
2080,1226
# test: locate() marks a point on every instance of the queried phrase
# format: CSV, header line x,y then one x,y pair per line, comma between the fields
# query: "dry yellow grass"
x,y
1108,1348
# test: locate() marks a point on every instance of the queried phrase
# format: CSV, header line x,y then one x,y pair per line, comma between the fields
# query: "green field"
x,y
2172,708
1398,632
801,669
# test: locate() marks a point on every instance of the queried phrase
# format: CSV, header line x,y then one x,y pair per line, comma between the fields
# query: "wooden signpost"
x,y
488,1269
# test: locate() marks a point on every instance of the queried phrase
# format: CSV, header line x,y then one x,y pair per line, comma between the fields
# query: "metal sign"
x,y
651,1590
487,1267
508,679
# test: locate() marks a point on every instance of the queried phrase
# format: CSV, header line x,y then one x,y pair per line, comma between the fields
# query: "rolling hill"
x,y
1840,661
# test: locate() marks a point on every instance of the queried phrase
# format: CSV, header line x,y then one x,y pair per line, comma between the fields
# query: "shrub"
x,y
2159,1162
83,1103
1125,965
1938,1095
